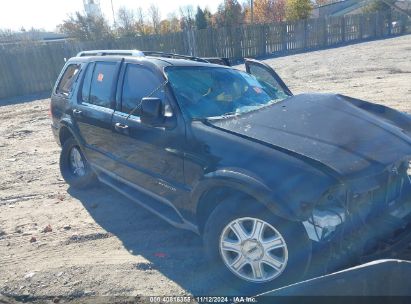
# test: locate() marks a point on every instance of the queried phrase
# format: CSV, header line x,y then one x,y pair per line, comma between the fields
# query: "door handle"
x,y
77,112
121,127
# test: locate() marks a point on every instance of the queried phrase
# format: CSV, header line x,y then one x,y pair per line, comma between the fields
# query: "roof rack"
x,y
136,53
171,55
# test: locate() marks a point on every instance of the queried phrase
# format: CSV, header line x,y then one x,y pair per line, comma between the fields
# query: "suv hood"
x,y
334,130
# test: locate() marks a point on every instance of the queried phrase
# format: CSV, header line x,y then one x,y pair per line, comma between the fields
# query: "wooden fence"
x,y
28,68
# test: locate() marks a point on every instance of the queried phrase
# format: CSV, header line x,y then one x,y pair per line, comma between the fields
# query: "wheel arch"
x,y
66,131
64,134
217,186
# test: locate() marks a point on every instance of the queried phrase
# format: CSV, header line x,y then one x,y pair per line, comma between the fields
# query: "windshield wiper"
x,y
225,115
248,109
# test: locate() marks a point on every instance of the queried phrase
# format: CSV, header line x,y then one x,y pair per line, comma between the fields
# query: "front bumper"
x,y
387,235
383,200
394,239
392,247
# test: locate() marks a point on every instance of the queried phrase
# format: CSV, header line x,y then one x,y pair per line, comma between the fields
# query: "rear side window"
x,y
98,84
138,82
67,80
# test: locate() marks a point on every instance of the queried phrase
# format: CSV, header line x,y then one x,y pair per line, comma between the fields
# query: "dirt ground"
x,y
56,241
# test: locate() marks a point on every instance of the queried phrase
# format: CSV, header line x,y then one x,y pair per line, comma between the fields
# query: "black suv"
x,y
264,176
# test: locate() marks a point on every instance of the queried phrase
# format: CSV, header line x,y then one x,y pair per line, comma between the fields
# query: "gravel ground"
x,y
59,242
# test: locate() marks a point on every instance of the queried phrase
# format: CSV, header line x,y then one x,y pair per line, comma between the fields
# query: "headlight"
x,y
327,214
323,222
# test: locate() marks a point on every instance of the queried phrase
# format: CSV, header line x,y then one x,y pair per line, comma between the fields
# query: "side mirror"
x,y
151,111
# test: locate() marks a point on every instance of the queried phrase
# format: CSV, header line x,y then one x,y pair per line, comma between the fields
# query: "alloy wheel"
x,y
76,162
253,250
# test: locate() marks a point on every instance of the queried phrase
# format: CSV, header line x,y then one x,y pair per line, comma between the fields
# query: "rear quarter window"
x,y
65,85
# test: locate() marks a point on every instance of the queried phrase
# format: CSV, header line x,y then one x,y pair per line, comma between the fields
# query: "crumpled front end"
x,y
366,218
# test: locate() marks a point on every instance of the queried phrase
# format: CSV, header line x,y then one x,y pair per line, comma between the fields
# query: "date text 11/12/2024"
x,y
202,299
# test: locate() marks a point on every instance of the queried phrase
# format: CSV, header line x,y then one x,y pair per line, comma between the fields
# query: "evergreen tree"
x,y
229,13
201,21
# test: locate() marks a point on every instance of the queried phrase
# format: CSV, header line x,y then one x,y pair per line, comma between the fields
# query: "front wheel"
x,y
253,250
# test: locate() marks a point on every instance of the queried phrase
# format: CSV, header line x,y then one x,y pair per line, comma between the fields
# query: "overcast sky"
x,y
46,14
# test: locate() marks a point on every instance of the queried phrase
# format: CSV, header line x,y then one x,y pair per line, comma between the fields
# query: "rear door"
x,y
264,72
63,91
94,110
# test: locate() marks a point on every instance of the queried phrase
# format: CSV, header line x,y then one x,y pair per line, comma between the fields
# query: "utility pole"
x,y
112,10
252,11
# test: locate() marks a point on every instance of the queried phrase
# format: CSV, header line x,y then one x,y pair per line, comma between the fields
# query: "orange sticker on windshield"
x,y
100,77
257,90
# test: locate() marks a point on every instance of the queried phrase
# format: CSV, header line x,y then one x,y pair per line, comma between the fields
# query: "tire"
x,y
296,253
78,179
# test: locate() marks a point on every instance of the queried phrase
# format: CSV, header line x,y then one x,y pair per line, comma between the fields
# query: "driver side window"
x,y
139,82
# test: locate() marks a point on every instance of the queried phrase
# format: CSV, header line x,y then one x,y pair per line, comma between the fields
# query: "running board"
x,y
159,208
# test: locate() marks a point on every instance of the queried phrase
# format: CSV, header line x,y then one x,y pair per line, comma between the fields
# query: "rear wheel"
x,y
253,250
74,167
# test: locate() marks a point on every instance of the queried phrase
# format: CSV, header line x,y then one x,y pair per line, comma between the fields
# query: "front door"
x,y
150,158
265,73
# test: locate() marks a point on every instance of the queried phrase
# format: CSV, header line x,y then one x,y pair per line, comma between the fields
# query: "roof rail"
x,y
111,53
218,60
171,55
138,53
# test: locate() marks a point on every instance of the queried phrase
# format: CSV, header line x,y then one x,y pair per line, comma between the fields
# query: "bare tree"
x,y
126,22
140,21
85,27
6,35
187,16
155,18
174,22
